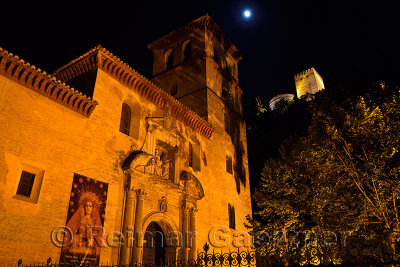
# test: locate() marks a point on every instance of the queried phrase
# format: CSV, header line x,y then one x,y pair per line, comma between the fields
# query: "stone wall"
x,y
39,132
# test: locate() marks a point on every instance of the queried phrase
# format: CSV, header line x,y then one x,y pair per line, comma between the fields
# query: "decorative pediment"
x,y
193,186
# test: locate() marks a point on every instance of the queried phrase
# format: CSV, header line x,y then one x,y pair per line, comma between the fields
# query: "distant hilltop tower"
x,y
308,81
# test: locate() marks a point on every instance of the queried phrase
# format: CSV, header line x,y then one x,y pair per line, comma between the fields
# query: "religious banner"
x,y
85,220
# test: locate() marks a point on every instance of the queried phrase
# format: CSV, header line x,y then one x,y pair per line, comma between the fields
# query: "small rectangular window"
x,y
190,154
25,184
227,122
231,215
229,164
194,156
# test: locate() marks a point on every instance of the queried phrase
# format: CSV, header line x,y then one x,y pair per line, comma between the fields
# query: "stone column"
x,y
139,235
185,221
127,230
193,234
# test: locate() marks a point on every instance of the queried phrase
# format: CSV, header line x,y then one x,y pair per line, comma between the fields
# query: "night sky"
x,y
350,43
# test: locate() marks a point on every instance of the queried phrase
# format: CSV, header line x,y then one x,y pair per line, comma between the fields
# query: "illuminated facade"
x,y
98,146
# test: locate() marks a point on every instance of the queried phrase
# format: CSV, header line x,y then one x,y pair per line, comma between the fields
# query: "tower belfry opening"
x,y
204,68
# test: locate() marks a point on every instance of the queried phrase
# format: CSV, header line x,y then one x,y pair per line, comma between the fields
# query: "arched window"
x,y
187,50
231,214
125,124
169,61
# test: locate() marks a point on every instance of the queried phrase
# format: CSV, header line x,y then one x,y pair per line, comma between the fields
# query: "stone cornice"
x,y
101,58
204,22
16,69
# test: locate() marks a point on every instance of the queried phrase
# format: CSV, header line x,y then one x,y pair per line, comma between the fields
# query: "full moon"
x,y
247,13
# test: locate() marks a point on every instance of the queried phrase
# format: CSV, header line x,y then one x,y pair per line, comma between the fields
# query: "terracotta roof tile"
x,y
16,69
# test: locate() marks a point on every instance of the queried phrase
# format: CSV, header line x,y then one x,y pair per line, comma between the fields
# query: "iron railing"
x,y
204,259
213,259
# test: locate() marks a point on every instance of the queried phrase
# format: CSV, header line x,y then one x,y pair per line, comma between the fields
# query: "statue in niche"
x,y
163,204
161,164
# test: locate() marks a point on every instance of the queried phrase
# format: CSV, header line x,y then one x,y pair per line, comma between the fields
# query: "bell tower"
x,y
197,64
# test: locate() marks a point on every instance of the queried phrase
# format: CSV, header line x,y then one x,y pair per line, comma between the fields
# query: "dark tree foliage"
x,y
333,194
267,130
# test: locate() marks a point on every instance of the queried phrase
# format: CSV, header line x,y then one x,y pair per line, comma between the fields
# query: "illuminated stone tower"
x,y
197,64
308,81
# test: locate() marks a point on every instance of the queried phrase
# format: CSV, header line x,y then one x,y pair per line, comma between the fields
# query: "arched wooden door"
x,y
154,248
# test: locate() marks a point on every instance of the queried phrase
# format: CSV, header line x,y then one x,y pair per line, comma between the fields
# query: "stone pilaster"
x,y
193,234
127,230
185,222
139,235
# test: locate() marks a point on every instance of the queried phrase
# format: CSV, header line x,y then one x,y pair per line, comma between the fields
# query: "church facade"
x,y
100,164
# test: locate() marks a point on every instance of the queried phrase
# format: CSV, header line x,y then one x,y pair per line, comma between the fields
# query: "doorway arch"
x,y
162,239
154,248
